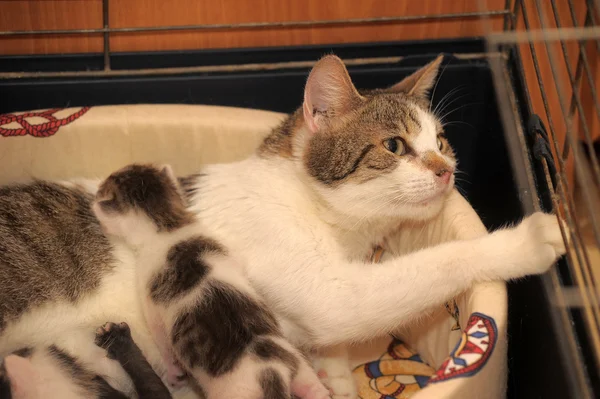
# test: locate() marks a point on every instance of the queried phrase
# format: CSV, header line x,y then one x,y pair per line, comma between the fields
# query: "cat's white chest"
x,y
357,248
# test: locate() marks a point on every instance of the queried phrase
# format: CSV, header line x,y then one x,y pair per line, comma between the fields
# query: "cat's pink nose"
x,y
444,175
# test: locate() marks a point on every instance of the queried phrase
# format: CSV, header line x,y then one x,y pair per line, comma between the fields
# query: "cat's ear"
x,y
329,93
22,376
419,84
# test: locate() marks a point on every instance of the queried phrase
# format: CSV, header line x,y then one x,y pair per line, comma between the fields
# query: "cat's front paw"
x,y
114,338
542,241
337,377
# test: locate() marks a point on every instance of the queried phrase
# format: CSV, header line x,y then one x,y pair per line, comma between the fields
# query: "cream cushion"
x,y
91,143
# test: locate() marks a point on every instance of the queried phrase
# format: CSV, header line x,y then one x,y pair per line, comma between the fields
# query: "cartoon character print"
x,y
398,374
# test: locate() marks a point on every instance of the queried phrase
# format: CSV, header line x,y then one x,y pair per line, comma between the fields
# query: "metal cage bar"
x,y
584,291
106,31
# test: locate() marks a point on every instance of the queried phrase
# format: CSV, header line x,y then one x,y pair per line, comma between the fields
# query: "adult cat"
x,y
327,185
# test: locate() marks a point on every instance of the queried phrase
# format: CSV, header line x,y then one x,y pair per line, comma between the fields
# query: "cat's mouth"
x,y
436,196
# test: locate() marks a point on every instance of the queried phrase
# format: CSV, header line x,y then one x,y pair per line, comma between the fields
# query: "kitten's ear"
x,y
109,221
329,93
22,376
104,196
420,82
167,171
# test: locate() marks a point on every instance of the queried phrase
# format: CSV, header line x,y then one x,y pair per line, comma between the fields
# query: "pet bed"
x,y
458,350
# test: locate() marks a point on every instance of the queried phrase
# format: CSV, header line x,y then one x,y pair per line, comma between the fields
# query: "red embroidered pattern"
x,y
45,129
472,352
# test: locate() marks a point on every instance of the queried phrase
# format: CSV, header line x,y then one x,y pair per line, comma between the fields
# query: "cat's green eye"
x,y
395,145
440,143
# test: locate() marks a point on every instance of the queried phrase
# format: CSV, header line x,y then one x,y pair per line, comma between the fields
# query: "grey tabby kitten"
x,y
52,372
51,248
201,310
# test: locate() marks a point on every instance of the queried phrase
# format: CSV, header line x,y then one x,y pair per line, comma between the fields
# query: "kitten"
x,y
36,373
333,180
197,301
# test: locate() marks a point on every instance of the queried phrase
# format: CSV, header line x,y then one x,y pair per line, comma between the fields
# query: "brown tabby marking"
x,y
185,269
279,142
272,385
189,185
23,352
267,349
215,334
91,383
354,150
138,187
51,247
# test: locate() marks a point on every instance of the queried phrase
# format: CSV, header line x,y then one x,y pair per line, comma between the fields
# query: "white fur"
x,y
279,225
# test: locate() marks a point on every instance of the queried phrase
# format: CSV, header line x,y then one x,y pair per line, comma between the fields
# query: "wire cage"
x,y
562,55
544,57
561,113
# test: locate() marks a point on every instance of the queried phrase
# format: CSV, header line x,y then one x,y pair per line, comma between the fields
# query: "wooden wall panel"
x,y
63,14
45,15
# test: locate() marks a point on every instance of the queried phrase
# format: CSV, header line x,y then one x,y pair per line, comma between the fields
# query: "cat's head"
x,y
374,154
140,197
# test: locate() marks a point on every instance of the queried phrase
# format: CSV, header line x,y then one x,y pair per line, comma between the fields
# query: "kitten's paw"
x,y
176,377
309,387
114,338
543,241
337,377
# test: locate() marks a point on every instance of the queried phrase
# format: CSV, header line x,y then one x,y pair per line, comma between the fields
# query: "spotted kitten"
x,y
201,310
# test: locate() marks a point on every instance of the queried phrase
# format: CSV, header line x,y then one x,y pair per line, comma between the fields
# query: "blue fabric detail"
x,y
421,380
479,334
416,358
459,361
374,369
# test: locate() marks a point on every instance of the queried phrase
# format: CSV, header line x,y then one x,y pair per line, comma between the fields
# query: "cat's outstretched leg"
x,y
119,345
333,368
